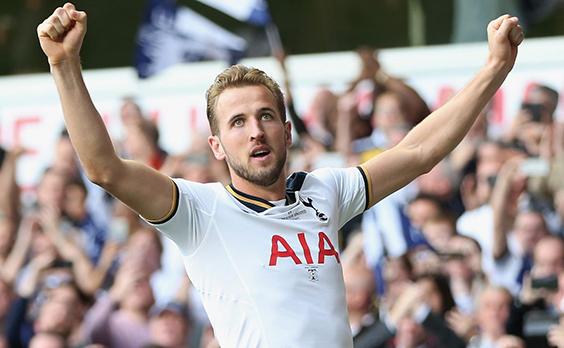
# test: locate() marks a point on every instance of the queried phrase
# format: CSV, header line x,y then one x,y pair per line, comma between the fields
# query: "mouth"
x,y
260,152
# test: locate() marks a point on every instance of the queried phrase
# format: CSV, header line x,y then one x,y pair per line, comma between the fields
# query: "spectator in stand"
x,y
409,308
98,202
91,237
170,326
443,183
65,160
438,232
397,273
425,207
142,144
463,265
56,306
540,300
359,287
51,189
492,314
479,176
120,317
515,232
130,112
437,293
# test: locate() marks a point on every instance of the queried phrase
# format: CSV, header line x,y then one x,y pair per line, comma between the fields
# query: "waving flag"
x,y
251,11
171,34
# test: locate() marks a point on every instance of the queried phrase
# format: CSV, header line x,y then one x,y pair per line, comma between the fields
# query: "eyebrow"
x,y
266,109
234,117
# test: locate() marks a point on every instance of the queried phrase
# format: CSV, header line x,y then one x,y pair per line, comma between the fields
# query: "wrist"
x,y
498,65
69,62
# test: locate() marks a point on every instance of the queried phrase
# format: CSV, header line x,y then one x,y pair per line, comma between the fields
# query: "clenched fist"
x,y
504,35
61,34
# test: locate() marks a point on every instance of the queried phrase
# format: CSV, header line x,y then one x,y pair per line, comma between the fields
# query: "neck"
x,y
273,192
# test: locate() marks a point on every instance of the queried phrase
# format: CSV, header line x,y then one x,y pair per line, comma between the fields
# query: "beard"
x,y
259,176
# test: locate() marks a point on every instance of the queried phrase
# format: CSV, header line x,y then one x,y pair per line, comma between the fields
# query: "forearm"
x,y
441,131
86,129
83,273
10,199
16,258
502,220
500,238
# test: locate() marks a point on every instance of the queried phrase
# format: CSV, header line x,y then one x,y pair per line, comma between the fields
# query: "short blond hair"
x,y
240,76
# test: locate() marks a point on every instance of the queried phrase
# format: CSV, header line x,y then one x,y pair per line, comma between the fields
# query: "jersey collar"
x,y
253,202
293,184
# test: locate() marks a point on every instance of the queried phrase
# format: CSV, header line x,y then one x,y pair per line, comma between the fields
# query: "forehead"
x,y
243,100
491,296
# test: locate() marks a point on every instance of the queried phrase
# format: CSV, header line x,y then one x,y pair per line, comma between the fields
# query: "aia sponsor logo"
x,y
281,249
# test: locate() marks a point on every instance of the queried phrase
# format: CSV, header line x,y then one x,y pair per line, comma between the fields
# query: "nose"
x,y
256,131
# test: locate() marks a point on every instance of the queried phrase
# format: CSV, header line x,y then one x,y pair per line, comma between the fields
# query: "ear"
x,y
288,133
216,147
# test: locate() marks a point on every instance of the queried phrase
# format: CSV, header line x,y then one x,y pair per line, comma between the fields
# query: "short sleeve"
x,y
349,187
186,224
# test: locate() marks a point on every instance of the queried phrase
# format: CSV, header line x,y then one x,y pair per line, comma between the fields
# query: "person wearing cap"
x,y
169,326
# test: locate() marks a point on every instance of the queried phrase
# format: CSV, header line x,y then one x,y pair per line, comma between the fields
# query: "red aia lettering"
x,y
281,248
275,253
326,251
305,247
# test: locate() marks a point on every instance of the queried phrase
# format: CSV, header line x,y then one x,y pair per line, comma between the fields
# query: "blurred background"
x,y
470,254
310,26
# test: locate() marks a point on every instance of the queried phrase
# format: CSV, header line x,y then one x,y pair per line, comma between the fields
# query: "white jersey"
x,y
270,276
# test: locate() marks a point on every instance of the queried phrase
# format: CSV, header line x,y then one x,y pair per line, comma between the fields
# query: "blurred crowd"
x,y
469,255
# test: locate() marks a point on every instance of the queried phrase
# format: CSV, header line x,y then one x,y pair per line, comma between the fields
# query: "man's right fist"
x,y
62,33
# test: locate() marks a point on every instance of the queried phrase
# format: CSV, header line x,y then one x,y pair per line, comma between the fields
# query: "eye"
x,y
238,122
266,116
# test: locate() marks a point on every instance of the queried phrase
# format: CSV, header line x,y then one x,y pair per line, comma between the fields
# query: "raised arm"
x,y
140,187
440,132
503,202
10,198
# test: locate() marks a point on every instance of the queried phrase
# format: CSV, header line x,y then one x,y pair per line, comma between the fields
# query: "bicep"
x,y
391,170
148,192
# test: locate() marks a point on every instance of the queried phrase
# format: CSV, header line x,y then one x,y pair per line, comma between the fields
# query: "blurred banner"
x,y
31,116
250,11
172,34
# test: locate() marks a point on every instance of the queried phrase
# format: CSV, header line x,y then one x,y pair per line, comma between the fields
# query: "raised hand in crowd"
x,y
464,325
15,260
508,187
128,276
36,267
